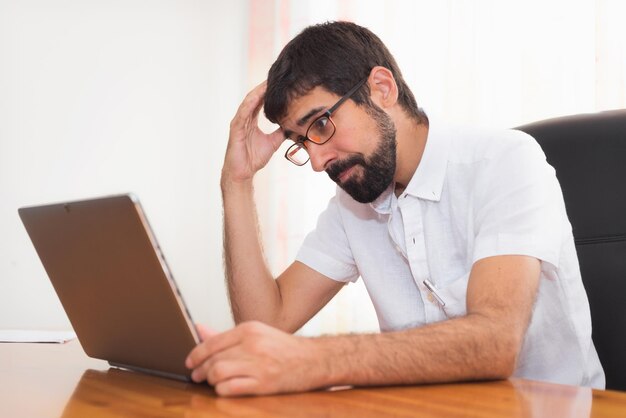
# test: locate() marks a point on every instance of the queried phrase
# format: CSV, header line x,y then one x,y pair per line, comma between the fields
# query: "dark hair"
x,y
336,56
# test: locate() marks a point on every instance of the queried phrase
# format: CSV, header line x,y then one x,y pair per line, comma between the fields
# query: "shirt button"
x,y
430,298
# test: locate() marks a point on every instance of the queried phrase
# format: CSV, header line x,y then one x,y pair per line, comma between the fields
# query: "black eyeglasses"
x,y
319,131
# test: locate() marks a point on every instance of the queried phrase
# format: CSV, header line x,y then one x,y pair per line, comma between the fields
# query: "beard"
x,y
376,170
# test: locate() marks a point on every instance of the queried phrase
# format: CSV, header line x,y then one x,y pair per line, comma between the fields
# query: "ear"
x,y
383,87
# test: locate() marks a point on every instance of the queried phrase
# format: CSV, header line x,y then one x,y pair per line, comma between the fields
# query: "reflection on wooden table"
x,y
125,393
43,380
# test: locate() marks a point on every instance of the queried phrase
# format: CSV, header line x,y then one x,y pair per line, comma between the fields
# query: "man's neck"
x,y
411,137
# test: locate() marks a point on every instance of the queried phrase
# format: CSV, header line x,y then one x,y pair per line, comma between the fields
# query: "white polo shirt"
x,y
476,194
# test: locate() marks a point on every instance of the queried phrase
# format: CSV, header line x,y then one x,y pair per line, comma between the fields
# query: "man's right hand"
x,y
290,300
249,149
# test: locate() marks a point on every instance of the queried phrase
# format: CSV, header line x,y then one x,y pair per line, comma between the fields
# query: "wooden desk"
x,y
50,380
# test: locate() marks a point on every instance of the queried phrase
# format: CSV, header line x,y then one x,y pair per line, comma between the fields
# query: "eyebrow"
x,y
308,116
303,120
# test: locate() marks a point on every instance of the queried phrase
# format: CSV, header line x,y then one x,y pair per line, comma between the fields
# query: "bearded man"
x,y
460,236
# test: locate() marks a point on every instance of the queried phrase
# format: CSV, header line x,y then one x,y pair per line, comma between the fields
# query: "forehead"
x,y
302,110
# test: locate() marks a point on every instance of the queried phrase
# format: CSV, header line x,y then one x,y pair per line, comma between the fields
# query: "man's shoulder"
x,y
475,144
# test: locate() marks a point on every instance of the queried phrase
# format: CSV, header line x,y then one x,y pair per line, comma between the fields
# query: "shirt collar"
x,y
385,203
427,181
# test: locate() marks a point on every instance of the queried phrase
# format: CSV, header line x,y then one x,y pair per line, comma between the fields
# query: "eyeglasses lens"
x,y
297,154
321,130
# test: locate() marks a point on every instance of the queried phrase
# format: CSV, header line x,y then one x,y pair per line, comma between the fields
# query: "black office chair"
x,y
588,153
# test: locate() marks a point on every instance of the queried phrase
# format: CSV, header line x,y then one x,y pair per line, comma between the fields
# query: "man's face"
x,y
361,155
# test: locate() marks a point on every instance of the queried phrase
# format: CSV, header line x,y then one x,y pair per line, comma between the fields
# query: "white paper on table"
x,y
35,336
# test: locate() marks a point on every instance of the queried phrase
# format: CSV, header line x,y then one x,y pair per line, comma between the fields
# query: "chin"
x,y
363,196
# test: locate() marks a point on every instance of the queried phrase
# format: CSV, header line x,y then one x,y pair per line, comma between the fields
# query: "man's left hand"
x,y
255,359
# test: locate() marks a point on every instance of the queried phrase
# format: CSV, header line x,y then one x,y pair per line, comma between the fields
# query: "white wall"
x,y
102,97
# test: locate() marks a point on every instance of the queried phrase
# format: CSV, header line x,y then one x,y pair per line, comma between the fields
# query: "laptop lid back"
x,y
113,282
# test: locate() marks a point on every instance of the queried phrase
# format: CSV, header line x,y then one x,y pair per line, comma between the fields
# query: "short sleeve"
x,y
326,249
518,203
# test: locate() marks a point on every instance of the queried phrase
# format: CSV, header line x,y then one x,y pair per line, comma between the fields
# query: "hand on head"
x,y
249,148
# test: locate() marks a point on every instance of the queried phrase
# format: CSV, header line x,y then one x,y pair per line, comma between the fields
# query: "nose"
x,y
321,155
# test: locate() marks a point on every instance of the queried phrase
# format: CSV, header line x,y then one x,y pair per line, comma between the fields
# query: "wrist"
x,y
228,182
330,367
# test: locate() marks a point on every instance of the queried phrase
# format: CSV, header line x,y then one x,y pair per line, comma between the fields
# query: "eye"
x,y
321,129
321,123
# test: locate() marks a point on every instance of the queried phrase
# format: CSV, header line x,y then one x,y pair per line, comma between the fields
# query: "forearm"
x,y
254,358
469,348
252,290
484,344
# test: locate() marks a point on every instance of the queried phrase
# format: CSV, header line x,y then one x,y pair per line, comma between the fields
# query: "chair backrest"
x,y
588,153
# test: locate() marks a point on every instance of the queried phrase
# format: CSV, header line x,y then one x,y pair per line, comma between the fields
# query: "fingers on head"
x,y
256,95
254,100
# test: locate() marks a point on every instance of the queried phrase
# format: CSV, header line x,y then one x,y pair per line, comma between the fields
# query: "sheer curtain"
x,y
497,63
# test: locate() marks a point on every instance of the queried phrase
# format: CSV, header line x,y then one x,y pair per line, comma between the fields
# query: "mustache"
x,y
340,166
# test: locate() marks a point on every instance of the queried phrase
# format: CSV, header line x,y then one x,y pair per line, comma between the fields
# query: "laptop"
x,y
109,273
